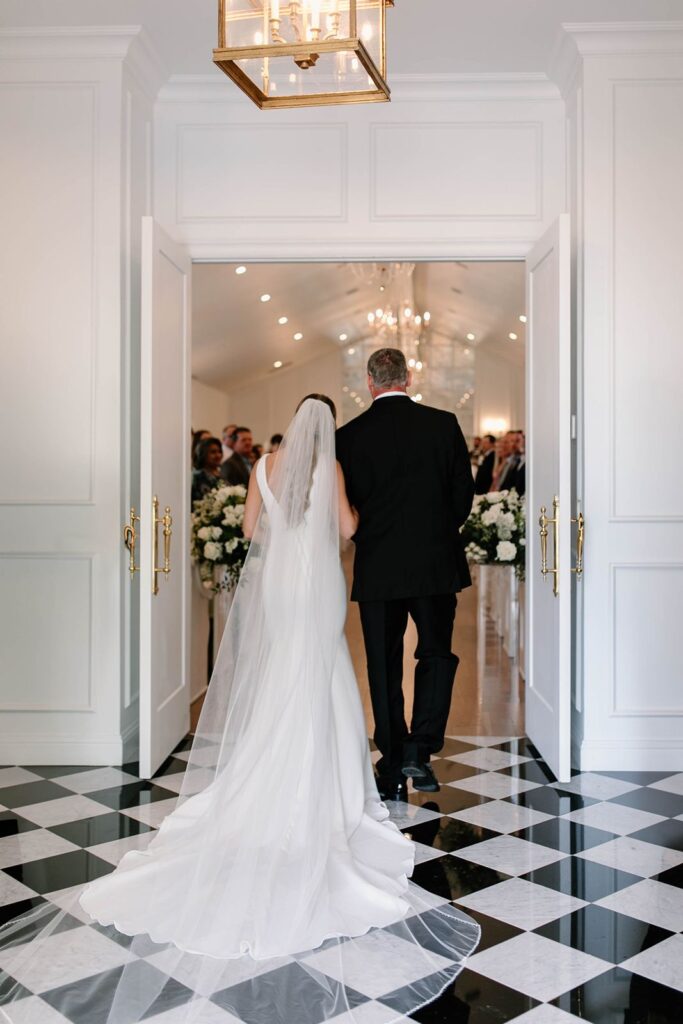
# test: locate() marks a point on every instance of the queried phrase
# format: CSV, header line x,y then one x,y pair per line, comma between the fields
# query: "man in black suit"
x,y
237,469
482,481
408,473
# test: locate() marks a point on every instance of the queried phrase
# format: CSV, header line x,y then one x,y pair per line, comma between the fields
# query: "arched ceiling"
x,y
237,337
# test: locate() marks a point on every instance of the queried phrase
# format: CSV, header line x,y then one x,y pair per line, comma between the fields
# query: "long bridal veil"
x,y
277,890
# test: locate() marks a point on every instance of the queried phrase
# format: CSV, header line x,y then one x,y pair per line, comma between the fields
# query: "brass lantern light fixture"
x,y
302,53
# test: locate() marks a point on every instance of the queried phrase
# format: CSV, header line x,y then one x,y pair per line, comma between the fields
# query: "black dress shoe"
x,y
426,781
413,769
391,788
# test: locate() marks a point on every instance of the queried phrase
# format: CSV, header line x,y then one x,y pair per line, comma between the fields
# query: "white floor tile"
x,y
368,1013
510,855
599,787
63,958
614,818
194,971
628,854
58,812
485,741
494,784
490,760
113,852
67,899
12,891
404,815
33,1011
191,781
672,784
33,845
537,966
546,1014
522,903
96,778
651,901
377,963
17,777
501,816
204,1013
425,853
662,963
152,814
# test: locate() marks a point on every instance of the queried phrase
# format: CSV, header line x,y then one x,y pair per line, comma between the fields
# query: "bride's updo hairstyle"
x,y
321,398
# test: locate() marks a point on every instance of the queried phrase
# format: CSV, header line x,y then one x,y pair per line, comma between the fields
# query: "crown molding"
x,y
129,43
625,37
214,88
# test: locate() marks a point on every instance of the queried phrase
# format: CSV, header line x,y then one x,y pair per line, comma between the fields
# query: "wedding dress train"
x,y
279,867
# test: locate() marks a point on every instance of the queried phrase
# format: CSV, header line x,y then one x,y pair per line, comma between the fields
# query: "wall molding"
x,y
630,755
71,749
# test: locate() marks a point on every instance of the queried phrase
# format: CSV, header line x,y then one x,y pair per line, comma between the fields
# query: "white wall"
x,y
209,408
267,406
498,394
625,91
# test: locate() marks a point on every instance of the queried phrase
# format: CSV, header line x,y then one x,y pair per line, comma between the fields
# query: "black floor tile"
x,y
448,800
171,766
12,824
493,931
602,933
664,833
14,910
89,1001
103,828
582,878
620,997
452,746
131,794
656,801
531,771
10,989
453,878
449,834
60,872
474,999
32,793
638,778
672,876
453,771
311,1003
551,801
523,746
54,771
567,836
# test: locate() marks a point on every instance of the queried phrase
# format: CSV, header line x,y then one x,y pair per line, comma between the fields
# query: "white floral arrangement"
x,y
495,532
217,537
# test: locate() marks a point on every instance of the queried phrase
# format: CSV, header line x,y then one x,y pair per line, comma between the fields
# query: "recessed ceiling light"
x,y
352,351
417,397
512,336
407,311
362,405
470,337
277,364
343,337
358,399
345,390
466,351
418,365
427,317
265,297
522,319
411,363
282,320
353,394
240,270
298,336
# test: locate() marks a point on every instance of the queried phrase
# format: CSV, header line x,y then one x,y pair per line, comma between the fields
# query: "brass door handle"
x,y
130,539
544,522
167,522
580,539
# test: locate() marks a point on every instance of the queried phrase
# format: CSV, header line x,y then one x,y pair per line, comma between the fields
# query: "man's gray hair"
x,y
387,368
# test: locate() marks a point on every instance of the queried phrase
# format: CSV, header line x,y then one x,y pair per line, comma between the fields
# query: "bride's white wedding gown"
x,y
279,841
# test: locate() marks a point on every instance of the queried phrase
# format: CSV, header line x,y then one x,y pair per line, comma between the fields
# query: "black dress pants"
x,y
384,624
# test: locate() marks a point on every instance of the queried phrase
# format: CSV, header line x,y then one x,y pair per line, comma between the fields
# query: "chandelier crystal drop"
x,y
382,274
294,53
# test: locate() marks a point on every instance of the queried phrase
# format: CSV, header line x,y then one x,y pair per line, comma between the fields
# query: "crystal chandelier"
x,y
384,275
294,53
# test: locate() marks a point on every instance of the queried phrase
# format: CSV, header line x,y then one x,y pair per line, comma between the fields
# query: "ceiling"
x,y
424,36
237,337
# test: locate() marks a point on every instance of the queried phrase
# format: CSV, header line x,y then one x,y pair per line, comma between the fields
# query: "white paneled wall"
x,y
625,90
499,394
209,408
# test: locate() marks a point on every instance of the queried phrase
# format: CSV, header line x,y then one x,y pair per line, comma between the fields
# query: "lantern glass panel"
x,y
334,72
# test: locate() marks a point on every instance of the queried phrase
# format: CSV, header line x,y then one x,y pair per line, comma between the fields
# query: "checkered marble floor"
x,y
578,887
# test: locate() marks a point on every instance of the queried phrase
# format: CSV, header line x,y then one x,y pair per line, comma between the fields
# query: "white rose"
x,y
506,551
216,532
505,525
490,516
212,551
230,545
494,496
204,533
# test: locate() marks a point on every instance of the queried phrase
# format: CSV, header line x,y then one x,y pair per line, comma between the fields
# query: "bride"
x,y
277,890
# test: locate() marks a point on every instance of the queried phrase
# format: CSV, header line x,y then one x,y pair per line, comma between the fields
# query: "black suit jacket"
x,y
408,473
484,477
234,471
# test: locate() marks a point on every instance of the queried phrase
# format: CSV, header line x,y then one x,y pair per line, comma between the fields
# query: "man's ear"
x,y
370,384
409,379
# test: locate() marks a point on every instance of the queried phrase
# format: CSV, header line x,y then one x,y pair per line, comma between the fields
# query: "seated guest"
x,y
256,453
197,436
507,463
475,451
238,467
519,482
275,442
482,481
207,467
228,431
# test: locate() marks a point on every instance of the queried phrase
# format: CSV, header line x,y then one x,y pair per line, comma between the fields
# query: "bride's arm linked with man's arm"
x,y
348,516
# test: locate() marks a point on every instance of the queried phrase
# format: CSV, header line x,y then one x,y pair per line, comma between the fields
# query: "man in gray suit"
x,y
237,469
